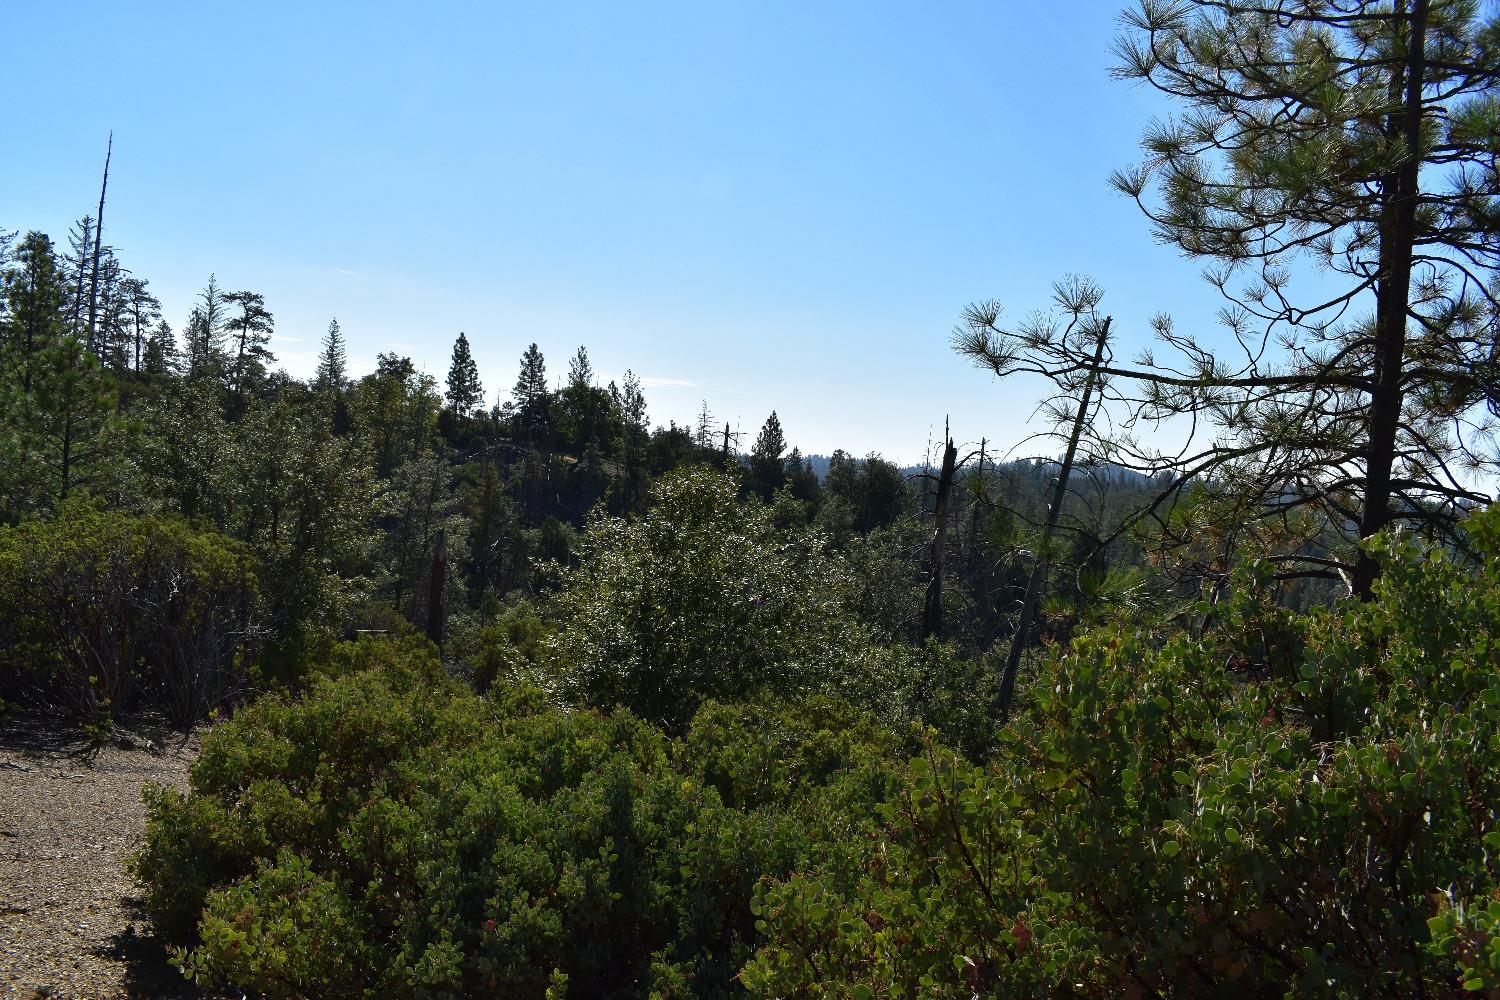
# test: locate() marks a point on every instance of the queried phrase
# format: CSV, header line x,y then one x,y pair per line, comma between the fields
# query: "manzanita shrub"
x,y
102,612
1278,805
392,833
1286,806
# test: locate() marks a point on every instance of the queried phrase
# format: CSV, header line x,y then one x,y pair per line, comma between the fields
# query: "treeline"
x,y
385,500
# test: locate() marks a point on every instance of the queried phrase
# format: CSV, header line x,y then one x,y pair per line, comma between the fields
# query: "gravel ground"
x,y
70,918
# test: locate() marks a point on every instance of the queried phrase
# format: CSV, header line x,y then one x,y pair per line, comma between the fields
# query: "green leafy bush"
x,y
508,647
102,612
1466,934
391,833
1277,809
705,597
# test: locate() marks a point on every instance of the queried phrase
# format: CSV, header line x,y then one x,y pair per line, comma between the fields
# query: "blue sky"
x,y
764,205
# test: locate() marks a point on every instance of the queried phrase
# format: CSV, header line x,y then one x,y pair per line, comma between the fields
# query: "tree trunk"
x,y
98,244
1054,512
932,609
1397,237
978,575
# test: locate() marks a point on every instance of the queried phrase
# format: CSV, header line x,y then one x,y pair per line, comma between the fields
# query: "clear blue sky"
x,y
764,205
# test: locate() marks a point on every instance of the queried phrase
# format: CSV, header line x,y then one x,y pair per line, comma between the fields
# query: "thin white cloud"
x,y
677,383
350,273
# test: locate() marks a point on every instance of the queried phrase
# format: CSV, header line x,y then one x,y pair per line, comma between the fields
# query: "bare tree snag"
x,y
1054,512
932,609
98,245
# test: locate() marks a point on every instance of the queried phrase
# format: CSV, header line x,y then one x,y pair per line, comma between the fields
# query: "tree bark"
x,y
1397,238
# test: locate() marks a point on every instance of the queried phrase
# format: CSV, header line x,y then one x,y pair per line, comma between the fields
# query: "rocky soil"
x,y
70,918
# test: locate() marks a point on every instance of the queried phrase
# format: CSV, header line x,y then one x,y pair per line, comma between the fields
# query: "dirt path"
x,y
70,917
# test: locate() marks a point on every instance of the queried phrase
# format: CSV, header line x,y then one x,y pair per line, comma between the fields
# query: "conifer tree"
x,y
249,331
204,334
1358,137
35,299
161,355
580,371
75,265
635,437
1354,140
112,333
706,429
582,407
331,380
765,458
58,437
530,394
142,310
465,391
332,375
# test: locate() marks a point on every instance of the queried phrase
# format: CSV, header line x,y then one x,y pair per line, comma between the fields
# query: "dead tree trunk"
x,y
932,607
1043,553
979,577
98,245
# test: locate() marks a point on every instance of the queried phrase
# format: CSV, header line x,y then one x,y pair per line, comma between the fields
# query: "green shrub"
x,y
103,611
705,597
392,833
509,647
1278,809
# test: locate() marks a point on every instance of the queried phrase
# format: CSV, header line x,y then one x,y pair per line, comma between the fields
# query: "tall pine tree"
x,y
250,330
766,466
465,391
333,368
530,395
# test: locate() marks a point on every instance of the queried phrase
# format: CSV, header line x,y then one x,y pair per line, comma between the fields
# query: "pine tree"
x,y
75,267
205,334
465,391
161,356
801,478
635,440
707,428
112,334
582,407
35,301
250,331
1358,138
580,371
142,310
58,437
530,394
766,466
332,375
